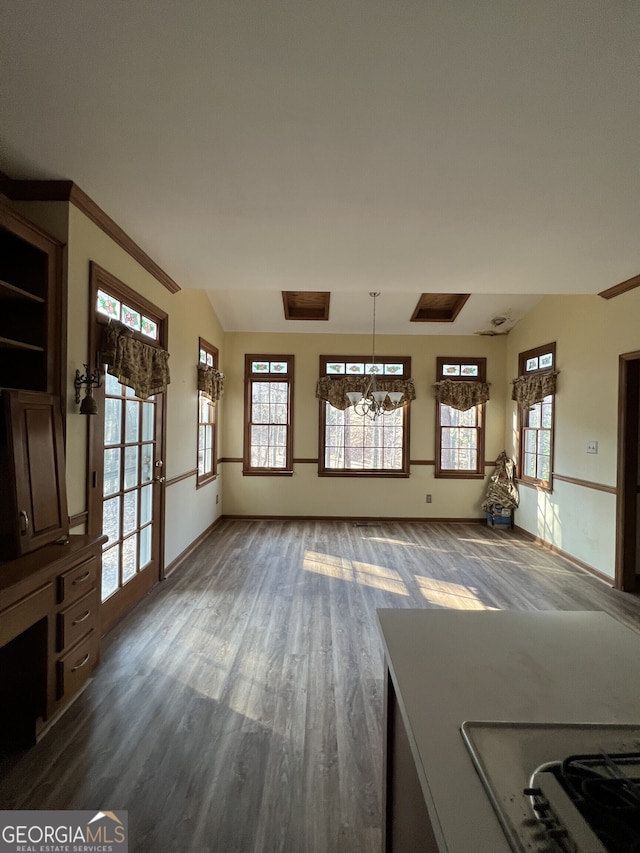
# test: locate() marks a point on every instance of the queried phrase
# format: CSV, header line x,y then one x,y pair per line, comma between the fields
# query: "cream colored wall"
x,y
590,334
306,494
189,511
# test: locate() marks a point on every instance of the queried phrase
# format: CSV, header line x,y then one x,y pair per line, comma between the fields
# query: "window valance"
x,y
461,395
210,382
334,389
134,363
533,388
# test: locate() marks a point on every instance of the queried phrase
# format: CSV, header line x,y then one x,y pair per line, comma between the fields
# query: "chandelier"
x,y
371,402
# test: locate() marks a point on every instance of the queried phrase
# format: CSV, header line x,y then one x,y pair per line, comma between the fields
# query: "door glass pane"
x,y
147,462
111,519
111,471
111,385
109,572
129,557
132,420
130,467
130,519
145,546
148,412
146,496
112,421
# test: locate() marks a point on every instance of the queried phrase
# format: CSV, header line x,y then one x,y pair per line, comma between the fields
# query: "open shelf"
x,y
10,291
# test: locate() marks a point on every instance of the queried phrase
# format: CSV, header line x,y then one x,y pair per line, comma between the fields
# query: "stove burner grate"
x,y
603,788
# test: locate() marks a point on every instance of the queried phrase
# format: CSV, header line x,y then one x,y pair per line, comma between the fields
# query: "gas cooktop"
x,y
561,787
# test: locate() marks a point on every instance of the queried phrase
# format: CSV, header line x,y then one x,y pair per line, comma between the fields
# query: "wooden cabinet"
x,y
30,305
50,614
33,504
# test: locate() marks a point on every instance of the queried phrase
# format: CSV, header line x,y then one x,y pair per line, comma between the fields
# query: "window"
x,y
355,445
208,355
535,423
460,434
268,436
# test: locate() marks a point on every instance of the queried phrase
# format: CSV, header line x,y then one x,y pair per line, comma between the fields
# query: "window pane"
x,y
108,305
129,558
145,546
451,370
530,465
111,482
278,367
132,420
148,415
131,478
547,413
260,414
130,519
149,328
278,413
259,366
355,367
394,369
532,363
336,367
110,564
530,441
112,386
112,421
111,519
377,369
146,497
130,317
146,452
546,360
469,370
259,436
545,468
535,419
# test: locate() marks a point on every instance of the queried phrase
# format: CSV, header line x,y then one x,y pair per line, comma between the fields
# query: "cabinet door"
x,y
37,511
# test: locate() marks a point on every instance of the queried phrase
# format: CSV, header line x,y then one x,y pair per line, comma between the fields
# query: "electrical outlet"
x,y
592,447
428,499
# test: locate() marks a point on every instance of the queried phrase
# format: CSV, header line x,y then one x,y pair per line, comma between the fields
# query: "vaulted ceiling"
x,y
345,146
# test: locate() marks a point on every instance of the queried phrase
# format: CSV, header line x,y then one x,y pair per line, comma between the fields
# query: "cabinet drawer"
x,y
77,581
76,665
78,619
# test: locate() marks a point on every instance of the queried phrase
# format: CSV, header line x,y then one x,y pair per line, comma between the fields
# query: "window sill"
x,y
267,472
459,475
394,475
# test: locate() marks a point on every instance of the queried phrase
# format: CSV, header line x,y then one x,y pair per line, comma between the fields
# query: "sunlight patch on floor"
x,y
384,540
367,574
455,596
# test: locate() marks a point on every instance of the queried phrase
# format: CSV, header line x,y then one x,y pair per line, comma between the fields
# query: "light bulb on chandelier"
x,y
373,402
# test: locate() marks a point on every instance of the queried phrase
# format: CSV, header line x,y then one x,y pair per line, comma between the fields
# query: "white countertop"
x,y
452,666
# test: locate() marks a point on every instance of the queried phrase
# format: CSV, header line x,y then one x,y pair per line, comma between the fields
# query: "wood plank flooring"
x,y
239,706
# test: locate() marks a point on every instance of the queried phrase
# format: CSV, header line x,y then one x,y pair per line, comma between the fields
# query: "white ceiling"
x,y
404,146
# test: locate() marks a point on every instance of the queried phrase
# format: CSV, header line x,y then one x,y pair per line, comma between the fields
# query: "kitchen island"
x,y
447,667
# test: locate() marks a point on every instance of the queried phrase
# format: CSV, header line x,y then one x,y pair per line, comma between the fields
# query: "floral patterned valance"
x,y
333,389
461,395
210,382
532,389
134,363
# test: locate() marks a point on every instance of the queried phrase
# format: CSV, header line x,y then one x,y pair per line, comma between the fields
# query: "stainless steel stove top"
x,y
507,755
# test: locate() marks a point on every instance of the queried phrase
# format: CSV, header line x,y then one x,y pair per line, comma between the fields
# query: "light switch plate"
x,y
592,447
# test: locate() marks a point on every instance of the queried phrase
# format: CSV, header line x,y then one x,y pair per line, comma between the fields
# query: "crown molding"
x,y
623,287
59,190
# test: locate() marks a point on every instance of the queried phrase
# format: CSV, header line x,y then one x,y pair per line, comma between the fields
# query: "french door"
x,y
126,455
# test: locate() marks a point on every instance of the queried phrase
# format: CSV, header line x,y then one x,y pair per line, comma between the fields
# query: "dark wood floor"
x,y
239,707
